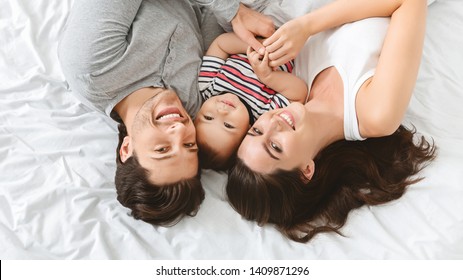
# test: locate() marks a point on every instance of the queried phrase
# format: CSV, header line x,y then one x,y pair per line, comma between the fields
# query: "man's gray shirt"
x,y
111,48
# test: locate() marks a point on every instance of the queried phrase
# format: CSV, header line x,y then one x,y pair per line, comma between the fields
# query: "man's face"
x,y
164,139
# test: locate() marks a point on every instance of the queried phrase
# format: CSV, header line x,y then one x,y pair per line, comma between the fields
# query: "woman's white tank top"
x,y
354,50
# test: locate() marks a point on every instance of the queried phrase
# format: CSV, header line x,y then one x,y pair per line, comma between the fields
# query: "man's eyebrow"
x,y
190,150
163,157
268,152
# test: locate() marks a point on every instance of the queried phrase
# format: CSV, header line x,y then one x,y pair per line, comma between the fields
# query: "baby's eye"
x,y
256,131
227,125
208,118
161,150
189,145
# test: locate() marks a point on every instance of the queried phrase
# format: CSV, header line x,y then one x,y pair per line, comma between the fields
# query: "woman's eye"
x,y
162,150
189,145
256,131
227,125
275,147
208,118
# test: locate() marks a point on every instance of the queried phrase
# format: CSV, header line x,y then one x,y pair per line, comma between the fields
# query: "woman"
x,y
294,167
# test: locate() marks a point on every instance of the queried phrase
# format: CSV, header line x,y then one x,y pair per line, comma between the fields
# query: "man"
x,y
138,61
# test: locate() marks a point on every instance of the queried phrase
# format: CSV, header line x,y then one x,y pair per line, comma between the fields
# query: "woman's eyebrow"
x,y
263,145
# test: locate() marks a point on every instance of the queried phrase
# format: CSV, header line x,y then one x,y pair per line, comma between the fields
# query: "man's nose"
x,y
176,127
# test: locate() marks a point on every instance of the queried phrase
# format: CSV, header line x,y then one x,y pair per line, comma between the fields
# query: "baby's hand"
x,y
259,64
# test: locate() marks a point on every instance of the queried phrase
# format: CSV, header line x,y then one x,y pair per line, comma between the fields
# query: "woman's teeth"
x,y
287,119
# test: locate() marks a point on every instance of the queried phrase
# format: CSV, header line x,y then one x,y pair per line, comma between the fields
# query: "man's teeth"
x,y
169,116
287,119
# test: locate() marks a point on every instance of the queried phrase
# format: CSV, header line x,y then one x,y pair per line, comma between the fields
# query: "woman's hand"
x,y
286,42
260,64
248,24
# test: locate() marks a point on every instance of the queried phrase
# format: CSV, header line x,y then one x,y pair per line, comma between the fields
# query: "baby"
x,y
237,89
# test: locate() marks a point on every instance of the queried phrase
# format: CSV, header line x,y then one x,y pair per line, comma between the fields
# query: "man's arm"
x,y
82,47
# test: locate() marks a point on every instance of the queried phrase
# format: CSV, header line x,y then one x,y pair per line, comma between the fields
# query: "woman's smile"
x,y
287,118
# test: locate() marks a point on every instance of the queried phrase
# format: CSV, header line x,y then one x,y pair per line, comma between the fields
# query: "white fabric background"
x,y
57,163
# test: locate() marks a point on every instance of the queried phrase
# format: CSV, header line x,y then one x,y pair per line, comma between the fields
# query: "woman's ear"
x,y
126,149
308,171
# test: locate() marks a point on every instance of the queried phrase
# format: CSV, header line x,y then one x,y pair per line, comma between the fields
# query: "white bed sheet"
x,y
57,196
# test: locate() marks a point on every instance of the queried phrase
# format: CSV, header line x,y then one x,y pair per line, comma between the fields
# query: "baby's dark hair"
x,y
210,158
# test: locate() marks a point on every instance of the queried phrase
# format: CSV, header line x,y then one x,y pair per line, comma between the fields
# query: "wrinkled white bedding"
x,y
57,163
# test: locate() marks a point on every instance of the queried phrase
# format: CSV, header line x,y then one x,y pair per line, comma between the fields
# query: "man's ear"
x,y
308,171
126,149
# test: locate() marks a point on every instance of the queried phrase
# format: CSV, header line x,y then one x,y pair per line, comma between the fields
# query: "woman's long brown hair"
x,y
348,174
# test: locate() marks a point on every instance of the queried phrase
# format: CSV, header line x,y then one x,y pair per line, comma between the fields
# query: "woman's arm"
x,y
248,24
288,40
381,104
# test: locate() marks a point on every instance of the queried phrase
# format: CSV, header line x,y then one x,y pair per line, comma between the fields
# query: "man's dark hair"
x,y
155,204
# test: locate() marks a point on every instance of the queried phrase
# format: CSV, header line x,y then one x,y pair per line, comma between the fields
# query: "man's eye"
x,y
275,147
208,118
161,150
227,125
256,131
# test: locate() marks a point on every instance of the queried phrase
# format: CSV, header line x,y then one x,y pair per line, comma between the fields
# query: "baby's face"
x,y
222,122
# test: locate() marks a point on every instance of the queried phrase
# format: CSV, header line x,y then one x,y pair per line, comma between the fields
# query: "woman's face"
x,y
277,140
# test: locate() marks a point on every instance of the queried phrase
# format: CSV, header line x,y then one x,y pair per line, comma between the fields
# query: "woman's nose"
x,y
275,123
